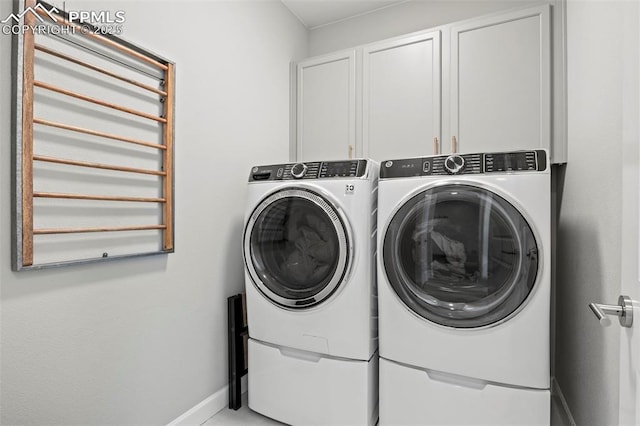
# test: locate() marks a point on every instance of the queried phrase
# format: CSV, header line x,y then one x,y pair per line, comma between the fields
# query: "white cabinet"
x,y
401,96
325,117
500,88
487,82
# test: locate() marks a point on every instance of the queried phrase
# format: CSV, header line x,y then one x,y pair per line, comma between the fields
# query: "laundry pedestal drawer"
x,y
414,396
304,388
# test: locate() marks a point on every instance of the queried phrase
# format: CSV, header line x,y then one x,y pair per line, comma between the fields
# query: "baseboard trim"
x,y
555,390
204,410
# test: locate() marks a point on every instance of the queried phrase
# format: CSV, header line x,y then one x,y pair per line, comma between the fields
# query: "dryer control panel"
x,y
309,170
465,164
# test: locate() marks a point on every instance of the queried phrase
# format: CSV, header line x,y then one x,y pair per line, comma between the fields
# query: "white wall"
x,y
142,341
589,231
401,19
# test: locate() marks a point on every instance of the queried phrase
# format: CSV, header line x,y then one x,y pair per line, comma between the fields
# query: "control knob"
x,y
454,164
298,170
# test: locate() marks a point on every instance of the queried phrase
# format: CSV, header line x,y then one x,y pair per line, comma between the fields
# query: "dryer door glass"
x,y
460,256
296,248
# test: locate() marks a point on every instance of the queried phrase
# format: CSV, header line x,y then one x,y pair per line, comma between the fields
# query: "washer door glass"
x,y
296,248
460,256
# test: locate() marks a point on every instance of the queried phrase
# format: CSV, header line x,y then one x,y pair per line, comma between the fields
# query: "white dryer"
x,y
309,249
464,283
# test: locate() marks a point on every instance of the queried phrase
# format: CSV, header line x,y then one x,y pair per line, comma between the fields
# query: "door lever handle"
x,y
623,310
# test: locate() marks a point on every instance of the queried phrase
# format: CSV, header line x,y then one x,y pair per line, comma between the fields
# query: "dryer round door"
x,y
460,256
296,248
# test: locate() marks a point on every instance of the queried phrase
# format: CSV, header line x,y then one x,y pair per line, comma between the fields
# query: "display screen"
x,y
339,168
517,161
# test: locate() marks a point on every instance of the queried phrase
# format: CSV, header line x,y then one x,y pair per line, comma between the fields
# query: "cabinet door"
x,y
500,82
326,107
401,97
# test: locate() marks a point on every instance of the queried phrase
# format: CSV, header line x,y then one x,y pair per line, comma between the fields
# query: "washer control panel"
x,y
465,164
309,170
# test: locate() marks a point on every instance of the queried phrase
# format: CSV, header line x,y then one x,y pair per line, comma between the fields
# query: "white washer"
x,y
309,248
464,283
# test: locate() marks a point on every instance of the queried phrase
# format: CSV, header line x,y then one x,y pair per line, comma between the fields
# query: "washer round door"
x,y
296,248
460,256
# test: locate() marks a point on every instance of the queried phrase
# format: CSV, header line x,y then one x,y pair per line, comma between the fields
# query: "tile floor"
x,y
244,416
